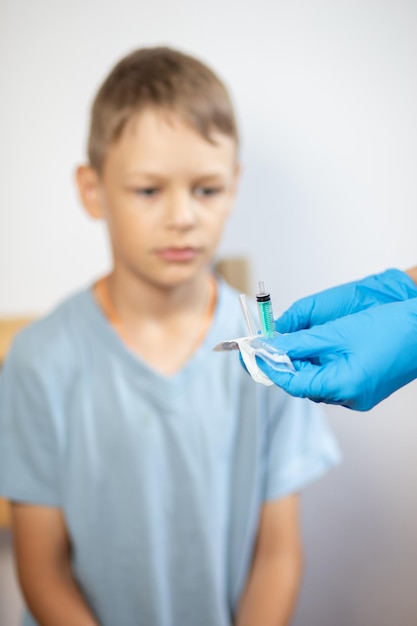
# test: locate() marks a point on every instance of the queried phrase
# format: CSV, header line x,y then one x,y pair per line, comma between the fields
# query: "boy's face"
x,y
165,193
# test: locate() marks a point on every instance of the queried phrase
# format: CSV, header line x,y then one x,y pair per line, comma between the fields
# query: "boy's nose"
x,y
181,211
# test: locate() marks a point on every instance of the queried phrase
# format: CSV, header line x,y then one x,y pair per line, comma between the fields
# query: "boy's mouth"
x,y
178,255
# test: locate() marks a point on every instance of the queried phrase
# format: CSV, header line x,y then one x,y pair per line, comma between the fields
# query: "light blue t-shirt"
x,y
161,478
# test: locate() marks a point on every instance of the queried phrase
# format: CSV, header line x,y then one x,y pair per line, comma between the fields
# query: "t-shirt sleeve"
x,y
28,439
299,445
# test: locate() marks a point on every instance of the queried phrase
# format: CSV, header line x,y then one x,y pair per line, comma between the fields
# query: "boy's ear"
x,y
236,176
88,188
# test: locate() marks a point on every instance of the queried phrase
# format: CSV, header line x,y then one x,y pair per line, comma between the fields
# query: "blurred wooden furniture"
x,y
8,328
235,271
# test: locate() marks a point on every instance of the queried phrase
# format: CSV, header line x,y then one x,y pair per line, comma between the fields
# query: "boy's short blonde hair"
x,y
164,79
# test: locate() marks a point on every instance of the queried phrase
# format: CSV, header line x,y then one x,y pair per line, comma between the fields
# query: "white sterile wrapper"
x,y
251,347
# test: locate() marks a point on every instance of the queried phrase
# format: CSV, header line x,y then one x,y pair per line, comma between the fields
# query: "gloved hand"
x,y
355,361
390,286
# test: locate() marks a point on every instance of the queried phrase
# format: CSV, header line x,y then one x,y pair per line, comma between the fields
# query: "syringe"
x,y
266,316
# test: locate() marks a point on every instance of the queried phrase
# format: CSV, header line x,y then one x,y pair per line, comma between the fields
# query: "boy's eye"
x,y
148,192
206,192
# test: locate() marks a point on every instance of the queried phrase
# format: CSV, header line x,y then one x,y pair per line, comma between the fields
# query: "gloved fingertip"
x,y
288,321
280,378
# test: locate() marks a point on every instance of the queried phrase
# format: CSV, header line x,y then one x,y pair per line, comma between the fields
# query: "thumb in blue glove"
x,y
390,286
355,361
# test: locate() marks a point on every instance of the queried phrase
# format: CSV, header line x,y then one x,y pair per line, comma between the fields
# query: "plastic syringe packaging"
x,y
277,359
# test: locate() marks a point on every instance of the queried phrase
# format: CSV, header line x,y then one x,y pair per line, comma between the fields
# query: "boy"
x,y
153,482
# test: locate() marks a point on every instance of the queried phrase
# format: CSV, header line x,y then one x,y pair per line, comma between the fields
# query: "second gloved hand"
x,y
390,286
355,361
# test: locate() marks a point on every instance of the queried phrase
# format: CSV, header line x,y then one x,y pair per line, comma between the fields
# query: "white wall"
x,y
326,93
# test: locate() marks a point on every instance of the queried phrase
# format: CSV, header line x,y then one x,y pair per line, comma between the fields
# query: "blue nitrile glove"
x,y
390,286
355,361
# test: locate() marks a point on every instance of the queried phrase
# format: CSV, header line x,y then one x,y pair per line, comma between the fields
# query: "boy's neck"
x,y
164,327
139,300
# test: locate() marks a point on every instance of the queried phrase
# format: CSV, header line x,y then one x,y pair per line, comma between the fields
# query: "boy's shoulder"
x,y
52,340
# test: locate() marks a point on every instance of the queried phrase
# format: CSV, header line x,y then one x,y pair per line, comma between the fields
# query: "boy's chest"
x,y
151,435
150,465
167,352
